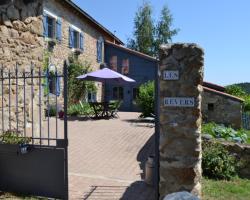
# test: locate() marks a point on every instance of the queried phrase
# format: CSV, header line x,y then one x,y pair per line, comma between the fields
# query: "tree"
x,y
148,36
163,31
143,40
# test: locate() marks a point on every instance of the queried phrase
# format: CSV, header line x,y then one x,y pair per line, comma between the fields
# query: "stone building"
x,y
220,107
31,29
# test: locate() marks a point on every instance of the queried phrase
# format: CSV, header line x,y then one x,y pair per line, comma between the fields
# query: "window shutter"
x,y
81,41
58,89
99,51
71,37
45,25
59,29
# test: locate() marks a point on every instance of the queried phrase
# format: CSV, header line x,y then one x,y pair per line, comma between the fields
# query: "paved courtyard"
x,y
107,158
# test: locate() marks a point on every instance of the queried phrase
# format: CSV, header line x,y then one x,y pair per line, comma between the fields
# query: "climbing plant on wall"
x,y
77,89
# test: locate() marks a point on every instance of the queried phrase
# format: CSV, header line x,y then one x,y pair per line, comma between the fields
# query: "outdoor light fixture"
x,y
24,148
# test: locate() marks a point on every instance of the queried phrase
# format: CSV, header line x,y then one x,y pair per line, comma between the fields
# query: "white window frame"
x,y
79,31
93,97
55,18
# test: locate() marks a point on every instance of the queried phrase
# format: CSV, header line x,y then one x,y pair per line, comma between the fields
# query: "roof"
x,y
222,94
91,19
214,86
132,51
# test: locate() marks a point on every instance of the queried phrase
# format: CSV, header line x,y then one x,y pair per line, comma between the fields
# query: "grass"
x,y
226,190
248,134
5,195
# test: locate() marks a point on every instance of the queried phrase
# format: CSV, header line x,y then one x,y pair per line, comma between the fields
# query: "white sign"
x,y
171,75
179,101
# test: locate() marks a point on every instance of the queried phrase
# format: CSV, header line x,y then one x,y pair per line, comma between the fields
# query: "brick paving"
x,y
107,157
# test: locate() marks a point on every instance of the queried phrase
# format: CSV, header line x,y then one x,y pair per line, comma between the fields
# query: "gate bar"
x,y
2,100
65,73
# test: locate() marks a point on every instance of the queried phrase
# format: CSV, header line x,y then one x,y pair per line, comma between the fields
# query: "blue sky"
x,y
220,27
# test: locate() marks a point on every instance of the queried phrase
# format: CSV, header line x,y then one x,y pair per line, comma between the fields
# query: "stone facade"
x,y
180,127
61,50
221,109
21,43
21,35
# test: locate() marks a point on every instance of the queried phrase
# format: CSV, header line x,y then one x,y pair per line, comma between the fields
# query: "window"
x,y
75,38
118,93
125,66
52,26
135,93
113,63
210,107
91,97
99,48
52,85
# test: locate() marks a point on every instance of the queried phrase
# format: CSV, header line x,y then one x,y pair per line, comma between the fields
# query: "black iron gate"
x,y
33,125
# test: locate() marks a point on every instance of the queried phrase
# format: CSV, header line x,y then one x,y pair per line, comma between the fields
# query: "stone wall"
x,y
61,50
225,109
21,34
21,42
180,118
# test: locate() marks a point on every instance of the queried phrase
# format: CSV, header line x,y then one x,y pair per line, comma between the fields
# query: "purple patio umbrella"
x,y
106,75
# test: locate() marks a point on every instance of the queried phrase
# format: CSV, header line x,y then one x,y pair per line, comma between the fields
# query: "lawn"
x,y
236,189
248,134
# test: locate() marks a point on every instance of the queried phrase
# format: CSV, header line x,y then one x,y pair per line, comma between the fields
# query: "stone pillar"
x,y
181,68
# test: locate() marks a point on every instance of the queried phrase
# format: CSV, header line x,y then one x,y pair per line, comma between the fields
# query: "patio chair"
x,y
98,109
113,107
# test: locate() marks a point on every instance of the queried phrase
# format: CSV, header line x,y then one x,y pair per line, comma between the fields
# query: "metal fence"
x,y
26,108
246,121
26,104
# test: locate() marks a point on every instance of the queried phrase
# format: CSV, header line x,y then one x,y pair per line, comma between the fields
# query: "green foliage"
x,y
217,163
145,98
144,30
234,189
163,32
235,90
238,91
12,137
244,86
149,35
80,109
77,89
52,111
227,133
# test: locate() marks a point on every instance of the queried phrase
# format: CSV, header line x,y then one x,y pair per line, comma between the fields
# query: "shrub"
x,y
227,133
13,137
145,98
217,163
51,112
79,109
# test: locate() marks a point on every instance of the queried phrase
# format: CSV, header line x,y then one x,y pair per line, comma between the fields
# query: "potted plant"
x,y
61,114
12,141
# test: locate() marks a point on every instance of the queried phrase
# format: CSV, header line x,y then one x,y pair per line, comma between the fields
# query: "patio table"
x,y
102,109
